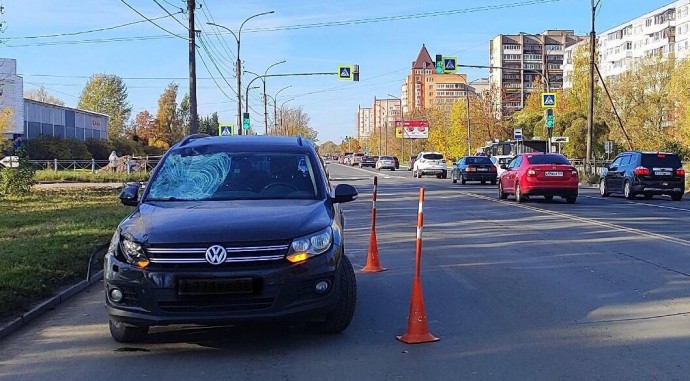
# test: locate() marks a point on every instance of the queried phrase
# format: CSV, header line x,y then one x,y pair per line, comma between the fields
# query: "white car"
x,y
500,160
385,162
430,163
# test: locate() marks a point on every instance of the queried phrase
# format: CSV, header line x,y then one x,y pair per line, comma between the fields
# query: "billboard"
x,y
412,129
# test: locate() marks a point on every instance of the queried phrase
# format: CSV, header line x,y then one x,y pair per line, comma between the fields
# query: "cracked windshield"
x,y
501,182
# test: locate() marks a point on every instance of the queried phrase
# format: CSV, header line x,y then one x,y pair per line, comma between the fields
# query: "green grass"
x,y
87,176
46,240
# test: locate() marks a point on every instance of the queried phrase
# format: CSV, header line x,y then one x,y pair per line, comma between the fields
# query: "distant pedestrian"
x,y
113,161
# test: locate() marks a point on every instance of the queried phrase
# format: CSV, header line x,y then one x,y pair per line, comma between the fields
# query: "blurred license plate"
x,y
482,169
662,173
554,174
215,286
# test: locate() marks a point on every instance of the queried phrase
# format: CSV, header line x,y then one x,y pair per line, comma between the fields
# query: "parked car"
x,y
646,173
474,168
367,161
410,163
500,160
347,160
385,162
227,231
539,174
430,163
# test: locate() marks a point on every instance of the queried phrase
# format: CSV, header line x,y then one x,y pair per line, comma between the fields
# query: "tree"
x,y
296,122
144,126
6,119
184,115
107,94
209,125
41,95
329,148
350,144
169,127
680,87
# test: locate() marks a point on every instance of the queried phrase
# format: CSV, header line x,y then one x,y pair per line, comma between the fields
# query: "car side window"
x,y
625,160
617,162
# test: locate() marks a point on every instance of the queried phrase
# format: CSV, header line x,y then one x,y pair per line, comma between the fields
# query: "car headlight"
x,y
309,246
133,253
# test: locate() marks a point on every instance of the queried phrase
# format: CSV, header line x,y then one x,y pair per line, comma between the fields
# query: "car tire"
x,y
452,177
339,319
445,175
571,199
462,180
602,189
677,196
123,333
548,198
519,197
627,191
439,176
501,195
392,169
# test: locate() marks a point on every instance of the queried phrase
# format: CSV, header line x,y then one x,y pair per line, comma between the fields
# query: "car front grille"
x,y
202,305
247,254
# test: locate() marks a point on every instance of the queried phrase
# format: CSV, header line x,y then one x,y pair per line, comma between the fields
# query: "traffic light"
x,y
245,121
549,118
355,73
439,64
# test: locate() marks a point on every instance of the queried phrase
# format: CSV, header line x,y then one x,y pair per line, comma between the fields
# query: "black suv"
x,y
231,230
646,173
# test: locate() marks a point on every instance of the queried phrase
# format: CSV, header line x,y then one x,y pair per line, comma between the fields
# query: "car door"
x,y
457,169
614,176
508,177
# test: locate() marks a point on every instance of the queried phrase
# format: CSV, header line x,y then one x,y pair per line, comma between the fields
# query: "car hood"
x,y
225,221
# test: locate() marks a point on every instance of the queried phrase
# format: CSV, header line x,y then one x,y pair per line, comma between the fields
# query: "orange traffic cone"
x,y
373,265
417,327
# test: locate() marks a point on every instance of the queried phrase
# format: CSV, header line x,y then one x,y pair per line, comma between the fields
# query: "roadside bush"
x,y
590,178
18,181
153,151
77,149
123,147
47,148
99,149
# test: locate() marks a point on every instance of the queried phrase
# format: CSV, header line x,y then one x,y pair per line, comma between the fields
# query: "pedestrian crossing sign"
x,y
548,100
226,129
450,65
345,73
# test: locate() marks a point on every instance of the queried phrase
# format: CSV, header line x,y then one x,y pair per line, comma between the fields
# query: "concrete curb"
x,y
64,295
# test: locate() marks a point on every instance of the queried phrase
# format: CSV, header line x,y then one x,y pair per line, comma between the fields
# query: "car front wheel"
x,y
339,319
123,333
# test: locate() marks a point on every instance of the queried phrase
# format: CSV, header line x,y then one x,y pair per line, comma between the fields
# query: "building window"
x,y
533,57
553,47
511,57
648,22
511,47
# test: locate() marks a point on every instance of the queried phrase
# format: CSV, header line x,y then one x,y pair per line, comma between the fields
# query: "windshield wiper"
x,y
167,199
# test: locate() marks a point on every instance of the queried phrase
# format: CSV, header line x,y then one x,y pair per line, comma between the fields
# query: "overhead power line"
x,y
314,25
152,22
83,31
170,14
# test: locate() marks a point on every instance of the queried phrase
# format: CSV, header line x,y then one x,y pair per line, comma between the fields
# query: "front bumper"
x,y
282,291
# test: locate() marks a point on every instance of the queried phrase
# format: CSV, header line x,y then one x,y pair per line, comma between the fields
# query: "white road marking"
x,y
639,203
589,221
373,173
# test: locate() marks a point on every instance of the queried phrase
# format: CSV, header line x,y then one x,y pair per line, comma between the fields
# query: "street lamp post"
x,y
238,69
275,109
402,117
284,128
467,99
265,106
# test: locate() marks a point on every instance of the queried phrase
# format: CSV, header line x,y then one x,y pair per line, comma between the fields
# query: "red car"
x,y
539,174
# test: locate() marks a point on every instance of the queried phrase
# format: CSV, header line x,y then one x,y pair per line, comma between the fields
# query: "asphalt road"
x,y
598,290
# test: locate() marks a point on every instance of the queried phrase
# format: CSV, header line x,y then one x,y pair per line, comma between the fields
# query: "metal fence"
x,y
124,164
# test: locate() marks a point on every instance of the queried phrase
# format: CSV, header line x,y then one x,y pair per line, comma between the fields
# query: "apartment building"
x,y
522,61
365,123
424,88
663,31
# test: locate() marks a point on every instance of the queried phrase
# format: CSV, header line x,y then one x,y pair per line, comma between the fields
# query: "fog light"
x,y
297,257
116,295
321,287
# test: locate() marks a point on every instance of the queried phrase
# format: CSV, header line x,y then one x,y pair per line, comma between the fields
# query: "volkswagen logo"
x,y
216,254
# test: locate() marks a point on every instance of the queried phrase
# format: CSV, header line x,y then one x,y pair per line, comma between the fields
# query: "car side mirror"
x,y
503,166
345,193
130,195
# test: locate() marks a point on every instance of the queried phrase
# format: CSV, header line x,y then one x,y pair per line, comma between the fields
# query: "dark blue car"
x,y
474,168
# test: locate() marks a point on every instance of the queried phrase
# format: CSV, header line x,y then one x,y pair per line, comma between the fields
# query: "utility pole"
x,y
590,112
194,122
469,141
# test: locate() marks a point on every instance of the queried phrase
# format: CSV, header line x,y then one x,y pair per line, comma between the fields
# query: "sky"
x,y
150,58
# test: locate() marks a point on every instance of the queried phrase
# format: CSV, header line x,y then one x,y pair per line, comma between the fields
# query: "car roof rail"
x,y
299,139
192,137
